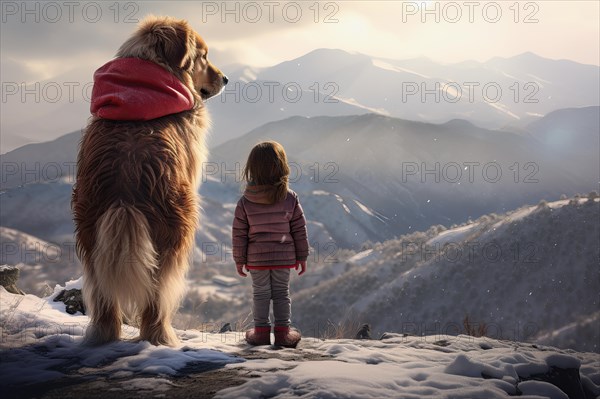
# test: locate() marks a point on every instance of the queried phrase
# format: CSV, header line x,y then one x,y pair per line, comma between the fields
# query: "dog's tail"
x,y
124,263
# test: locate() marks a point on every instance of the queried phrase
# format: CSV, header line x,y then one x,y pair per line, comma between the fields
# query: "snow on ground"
x,y
40,342
410,367
37,334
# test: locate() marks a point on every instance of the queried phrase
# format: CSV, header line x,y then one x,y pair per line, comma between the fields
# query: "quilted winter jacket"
x,y
266,234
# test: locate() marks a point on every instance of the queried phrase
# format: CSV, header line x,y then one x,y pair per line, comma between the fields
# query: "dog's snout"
x,y
225,80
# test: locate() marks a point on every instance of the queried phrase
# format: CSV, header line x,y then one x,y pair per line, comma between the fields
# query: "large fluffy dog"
x,y
135,201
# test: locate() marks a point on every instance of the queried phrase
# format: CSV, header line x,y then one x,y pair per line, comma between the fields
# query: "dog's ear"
x,y
174,43
171,41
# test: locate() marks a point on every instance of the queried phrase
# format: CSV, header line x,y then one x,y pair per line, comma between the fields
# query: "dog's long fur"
x,y
135,200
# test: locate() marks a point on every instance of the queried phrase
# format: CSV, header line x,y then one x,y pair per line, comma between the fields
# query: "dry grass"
x,y
345,328
474,329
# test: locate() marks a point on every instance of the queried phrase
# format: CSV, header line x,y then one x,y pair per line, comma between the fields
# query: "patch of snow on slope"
x,y
504,109
248,75
364,208
539,79
362,257
568,329
389,67
19,247
370,212
353,101
509,76
515,216
527,210
454,235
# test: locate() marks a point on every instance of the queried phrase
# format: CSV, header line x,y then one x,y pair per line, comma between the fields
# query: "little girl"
x,y
269,239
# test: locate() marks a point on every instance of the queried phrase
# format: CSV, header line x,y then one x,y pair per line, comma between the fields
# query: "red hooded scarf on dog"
x,y
132,89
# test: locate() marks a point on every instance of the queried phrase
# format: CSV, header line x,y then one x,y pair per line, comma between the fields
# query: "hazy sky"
x,y
40,40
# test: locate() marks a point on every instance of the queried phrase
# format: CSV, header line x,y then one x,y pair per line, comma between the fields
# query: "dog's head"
x,y
173,44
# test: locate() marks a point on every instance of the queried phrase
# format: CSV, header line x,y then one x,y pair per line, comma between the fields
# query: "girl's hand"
x,y
240,270
302,265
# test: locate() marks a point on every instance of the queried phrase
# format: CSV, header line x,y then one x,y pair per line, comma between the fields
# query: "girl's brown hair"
x,y
267,165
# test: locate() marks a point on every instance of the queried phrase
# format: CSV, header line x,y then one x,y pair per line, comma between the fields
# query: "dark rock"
x,y
567,380
72,299
364,332
442,342
9,275
226,327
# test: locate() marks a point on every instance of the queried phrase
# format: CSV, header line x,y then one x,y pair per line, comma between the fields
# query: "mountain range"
x,y
361,177
494,94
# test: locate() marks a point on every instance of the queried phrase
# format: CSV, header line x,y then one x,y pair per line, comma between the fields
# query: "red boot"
x,y
286,336
259,336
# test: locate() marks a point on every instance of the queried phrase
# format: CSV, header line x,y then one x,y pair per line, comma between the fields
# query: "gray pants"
x,y
270,285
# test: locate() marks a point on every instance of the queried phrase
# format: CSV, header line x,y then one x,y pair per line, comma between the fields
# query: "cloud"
x,y
37,33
